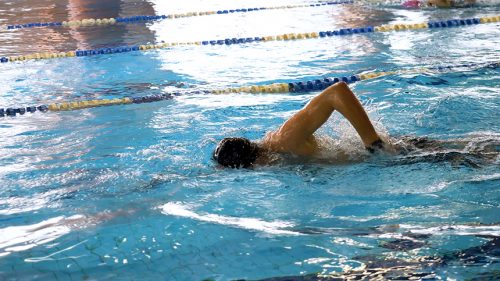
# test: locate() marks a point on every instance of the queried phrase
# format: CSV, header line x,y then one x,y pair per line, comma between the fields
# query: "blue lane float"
x,y
152,18
248,40
291,87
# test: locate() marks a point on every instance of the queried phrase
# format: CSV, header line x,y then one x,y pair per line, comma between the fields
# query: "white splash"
x,y
25,237
488,230
274,227
481,178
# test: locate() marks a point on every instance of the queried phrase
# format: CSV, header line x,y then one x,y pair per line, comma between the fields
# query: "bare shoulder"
x,y
275,142
271,141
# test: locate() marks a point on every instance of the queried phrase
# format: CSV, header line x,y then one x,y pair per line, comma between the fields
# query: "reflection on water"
x,y
66,176
57,39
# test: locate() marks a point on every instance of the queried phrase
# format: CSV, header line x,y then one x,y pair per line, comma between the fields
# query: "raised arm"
x,y
297,132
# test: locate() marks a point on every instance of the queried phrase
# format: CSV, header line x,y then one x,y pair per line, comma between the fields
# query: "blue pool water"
x,y
131,193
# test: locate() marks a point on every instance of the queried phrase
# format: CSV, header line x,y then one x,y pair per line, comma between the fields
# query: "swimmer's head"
x,y
236,152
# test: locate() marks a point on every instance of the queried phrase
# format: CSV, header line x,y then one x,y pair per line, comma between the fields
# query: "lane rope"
x,y
152,18
291,87
246,40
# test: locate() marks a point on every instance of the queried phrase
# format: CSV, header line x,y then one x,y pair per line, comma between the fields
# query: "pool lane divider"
x,y
246,40
151,18
292,87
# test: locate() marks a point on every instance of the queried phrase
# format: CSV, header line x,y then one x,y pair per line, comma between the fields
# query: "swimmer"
x,y
438,3
296,135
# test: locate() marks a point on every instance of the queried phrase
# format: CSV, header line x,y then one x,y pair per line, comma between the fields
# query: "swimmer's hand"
x,y
381,146
375,146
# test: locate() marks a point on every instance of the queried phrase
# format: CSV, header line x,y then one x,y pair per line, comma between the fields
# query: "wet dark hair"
x,y
236,152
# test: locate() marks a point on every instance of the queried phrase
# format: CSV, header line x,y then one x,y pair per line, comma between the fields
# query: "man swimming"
x,y
296,135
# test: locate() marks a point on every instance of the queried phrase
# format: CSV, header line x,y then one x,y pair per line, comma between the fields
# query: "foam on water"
x,y
274,227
